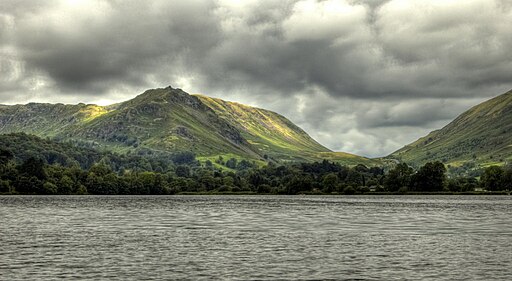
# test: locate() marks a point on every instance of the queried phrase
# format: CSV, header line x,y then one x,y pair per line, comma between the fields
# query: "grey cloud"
x,y
114,42
365,76
417,113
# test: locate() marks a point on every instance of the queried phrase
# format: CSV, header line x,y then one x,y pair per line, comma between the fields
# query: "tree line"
x,y
185,174
32,165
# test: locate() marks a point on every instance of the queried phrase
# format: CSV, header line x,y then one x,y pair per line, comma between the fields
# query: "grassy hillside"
x,y
268,131
482,135
166,120
275,136
47,119
23,146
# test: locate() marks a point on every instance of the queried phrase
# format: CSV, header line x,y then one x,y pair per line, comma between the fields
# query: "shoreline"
x,y
501,193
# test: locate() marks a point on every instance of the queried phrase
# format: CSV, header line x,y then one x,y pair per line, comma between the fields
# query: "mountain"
x,y
481,135
167,120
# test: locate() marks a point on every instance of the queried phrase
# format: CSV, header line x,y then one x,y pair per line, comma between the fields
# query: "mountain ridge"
x,y
481,135
168,119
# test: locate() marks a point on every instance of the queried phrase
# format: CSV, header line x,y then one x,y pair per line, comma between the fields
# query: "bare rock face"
x,y
180,97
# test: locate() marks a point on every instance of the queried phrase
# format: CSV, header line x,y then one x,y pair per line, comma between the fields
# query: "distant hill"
x,y
23,147
481,135
169,120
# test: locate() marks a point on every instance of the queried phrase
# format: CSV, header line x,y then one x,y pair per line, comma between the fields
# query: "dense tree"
x,y
182,171
100,169
298,184
244,165
207,181
506,179
66,185
28,184
5,186
430,177
355,178
462,184
183,158
255,178
50,188
398,177
34,166
231,163
349,190
5,156
492,178
330,183
264,188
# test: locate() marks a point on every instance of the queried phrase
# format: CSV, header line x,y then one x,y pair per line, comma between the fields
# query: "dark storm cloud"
x,y
114,41
363,75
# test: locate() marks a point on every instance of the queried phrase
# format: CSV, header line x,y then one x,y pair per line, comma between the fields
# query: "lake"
x,y
256,237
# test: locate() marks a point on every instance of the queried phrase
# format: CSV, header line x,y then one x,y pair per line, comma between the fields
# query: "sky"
x,y
361,76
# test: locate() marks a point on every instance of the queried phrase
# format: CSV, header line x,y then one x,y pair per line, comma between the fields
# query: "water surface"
x,y
256,237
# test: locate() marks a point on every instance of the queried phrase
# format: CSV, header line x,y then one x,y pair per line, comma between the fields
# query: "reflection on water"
x,y
256,237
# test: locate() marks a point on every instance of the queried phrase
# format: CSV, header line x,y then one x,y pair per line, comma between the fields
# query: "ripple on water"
x,y
256,237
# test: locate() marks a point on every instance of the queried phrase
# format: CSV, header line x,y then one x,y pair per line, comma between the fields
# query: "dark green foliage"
x,y
462,184
356,177
5,156
492,178
66,185
183,158
244,165
398,177
27,184
22,171
5,186
182,171
298,184
330,183
349,190
220,160
50,188
33,167
76,154
506,180
264,188
430,177
231,163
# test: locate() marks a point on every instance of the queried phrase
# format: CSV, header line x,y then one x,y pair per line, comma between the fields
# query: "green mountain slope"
x,y
169,120
482,135
46,119
23,146
274,135
268,131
